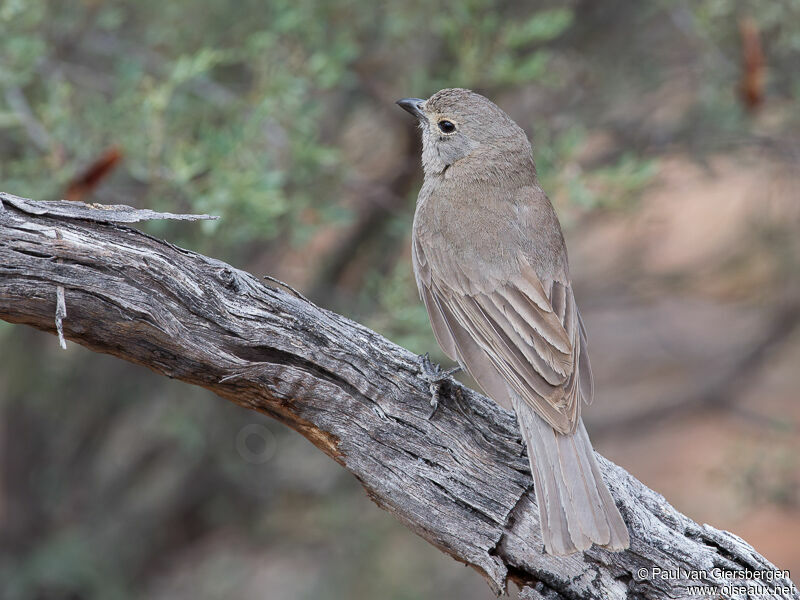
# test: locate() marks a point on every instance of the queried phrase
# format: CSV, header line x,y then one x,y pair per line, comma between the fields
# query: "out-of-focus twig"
x,y
376,208
36,132
378,205
85,182
751,86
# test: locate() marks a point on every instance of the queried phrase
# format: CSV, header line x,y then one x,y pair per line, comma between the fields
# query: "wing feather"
x,y
513,337
587,377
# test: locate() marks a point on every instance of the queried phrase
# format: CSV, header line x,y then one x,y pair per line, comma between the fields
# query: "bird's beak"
x,y
413,106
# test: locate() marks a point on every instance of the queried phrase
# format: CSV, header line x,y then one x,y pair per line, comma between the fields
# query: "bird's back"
x,y
475,237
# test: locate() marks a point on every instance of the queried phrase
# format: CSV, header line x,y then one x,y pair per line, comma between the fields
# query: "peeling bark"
x,y
460,480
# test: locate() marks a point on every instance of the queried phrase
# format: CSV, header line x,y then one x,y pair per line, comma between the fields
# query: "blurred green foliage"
x,y
244,109
225,111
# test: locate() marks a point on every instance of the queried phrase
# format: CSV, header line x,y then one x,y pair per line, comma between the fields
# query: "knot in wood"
x,y
228,278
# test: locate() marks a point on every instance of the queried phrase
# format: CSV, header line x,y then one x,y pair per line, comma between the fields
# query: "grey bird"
x,y
491,267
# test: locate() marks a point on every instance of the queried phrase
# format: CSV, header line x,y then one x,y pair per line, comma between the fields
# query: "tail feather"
x,y
575,506
620,539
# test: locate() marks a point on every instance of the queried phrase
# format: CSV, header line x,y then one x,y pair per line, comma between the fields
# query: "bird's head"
x,y
458,124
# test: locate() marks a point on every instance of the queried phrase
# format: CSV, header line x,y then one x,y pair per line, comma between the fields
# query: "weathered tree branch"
x,y
460,480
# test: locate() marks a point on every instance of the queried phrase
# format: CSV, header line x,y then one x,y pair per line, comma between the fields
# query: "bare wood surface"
x,y
459,480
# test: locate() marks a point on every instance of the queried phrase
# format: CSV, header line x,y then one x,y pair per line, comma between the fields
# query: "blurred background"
x,y
666,133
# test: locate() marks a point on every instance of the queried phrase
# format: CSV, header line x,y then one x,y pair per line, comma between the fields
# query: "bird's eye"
x,y
446,126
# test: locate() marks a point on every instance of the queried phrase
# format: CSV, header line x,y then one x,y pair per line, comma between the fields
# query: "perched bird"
x,y
491,266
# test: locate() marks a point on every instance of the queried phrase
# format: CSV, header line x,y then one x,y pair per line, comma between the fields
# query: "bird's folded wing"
x,y
518,336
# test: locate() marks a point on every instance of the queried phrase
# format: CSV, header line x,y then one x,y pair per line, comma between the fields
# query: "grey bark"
x,y
460,480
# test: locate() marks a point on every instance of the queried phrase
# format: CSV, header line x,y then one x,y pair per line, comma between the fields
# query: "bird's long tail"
x,y
575,506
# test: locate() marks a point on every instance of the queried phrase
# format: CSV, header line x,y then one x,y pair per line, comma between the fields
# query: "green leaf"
x,y
543,26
